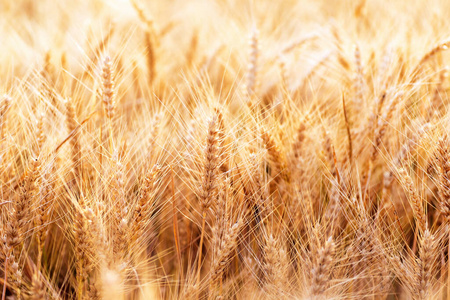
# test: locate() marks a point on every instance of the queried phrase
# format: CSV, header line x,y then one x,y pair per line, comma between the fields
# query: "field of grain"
x,y
224,149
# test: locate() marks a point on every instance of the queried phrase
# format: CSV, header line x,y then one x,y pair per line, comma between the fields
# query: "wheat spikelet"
x,y
426,264
416,200
383,124
428,56
151,41
46,197
15,276
329,152
252,72
276,267
142,212
276,158
435,102
209,184
108,88
221,216
359,80
75,141
322,269
444,187
20,217
94,293
209,180
299,140
120,222
222,254
258,192
221,136
298,43
5,105
38,288
407,148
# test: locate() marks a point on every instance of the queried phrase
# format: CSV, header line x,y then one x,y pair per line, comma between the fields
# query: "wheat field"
x,y
224,149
